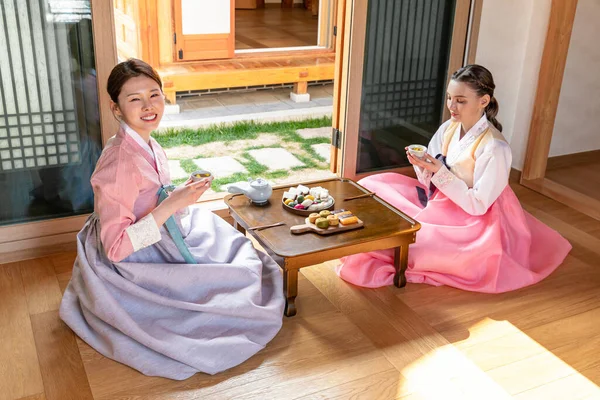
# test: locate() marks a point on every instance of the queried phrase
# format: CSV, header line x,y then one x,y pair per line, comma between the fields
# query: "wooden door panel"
x,y
395,62
126,30
211,39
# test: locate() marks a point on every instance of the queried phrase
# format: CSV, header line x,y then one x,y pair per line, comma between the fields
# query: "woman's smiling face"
x,y
141,104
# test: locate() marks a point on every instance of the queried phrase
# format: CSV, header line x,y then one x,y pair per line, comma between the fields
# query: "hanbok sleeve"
x,y
433,149
116,185
492,168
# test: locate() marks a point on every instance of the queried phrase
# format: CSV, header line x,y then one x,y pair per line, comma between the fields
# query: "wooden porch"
x,y
247,71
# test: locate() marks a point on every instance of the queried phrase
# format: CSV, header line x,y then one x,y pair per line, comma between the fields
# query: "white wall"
x,y
576,127
510,44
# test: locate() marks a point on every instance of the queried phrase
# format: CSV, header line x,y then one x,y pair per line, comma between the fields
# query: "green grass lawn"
x,y
227,134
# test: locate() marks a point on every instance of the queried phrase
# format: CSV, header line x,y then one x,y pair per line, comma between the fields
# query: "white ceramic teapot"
x,y
258,191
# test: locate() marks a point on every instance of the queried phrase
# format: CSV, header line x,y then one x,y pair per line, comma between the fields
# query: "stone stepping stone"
x,y
276,158
176,171
310,133
323,149
220,167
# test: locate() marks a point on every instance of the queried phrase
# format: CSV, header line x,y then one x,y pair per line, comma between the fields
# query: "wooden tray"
x,y
308,227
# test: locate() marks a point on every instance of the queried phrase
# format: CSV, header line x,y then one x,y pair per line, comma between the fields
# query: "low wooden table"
x,y
385,227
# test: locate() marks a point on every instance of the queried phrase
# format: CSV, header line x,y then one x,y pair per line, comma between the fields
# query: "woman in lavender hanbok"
x,y
164,289
474,234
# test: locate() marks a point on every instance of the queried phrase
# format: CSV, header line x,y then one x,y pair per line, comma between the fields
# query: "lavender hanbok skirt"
x,y
166,318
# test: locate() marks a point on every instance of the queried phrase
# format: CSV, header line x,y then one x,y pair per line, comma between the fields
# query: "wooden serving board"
x,y
308,227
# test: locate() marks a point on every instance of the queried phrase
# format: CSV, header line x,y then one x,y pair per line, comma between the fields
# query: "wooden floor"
x,y
582,177
273,27
420,342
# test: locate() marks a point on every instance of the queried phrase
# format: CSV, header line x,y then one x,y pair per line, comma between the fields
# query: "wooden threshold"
x,y
250,71
39,239
565,195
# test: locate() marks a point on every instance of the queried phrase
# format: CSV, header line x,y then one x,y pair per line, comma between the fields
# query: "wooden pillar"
x,y
301,87
554,59
106,58
300,92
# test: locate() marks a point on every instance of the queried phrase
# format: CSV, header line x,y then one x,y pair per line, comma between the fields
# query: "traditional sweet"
x,y
322,223
303,189
307,203
312,199
348,219
299,207
313,217
324,213
315,191
289,195
333,220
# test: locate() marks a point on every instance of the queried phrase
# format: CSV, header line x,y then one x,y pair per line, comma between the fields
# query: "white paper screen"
x,y
202,17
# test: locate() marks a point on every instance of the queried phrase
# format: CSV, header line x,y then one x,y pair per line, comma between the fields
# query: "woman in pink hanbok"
x,y
164,289
474,234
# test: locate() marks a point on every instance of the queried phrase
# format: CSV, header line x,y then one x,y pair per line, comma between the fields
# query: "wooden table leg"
x,y
290,290
400,263
240,228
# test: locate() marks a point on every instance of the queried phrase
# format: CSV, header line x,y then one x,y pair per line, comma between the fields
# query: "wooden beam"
x,y
355,33
166,29
340,48
474,30
105,50
459,42
554,59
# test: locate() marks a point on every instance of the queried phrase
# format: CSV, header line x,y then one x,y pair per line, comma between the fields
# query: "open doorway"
x,y
274,24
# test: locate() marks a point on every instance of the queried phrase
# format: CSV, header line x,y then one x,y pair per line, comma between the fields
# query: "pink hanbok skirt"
x,y
504,249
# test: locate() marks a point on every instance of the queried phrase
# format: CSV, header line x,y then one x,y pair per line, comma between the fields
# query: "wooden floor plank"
x,y
62,262
413,347
383,385
20,374
62,370
260,373
573,387
531,372
294,383
39,396
41,285
320,336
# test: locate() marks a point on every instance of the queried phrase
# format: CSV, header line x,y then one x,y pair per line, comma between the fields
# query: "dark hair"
x,y
126,70
481,81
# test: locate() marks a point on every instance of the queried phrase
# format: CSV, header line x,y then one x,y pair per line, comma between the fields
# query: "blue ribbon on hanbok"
x,y
173,229
423,197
